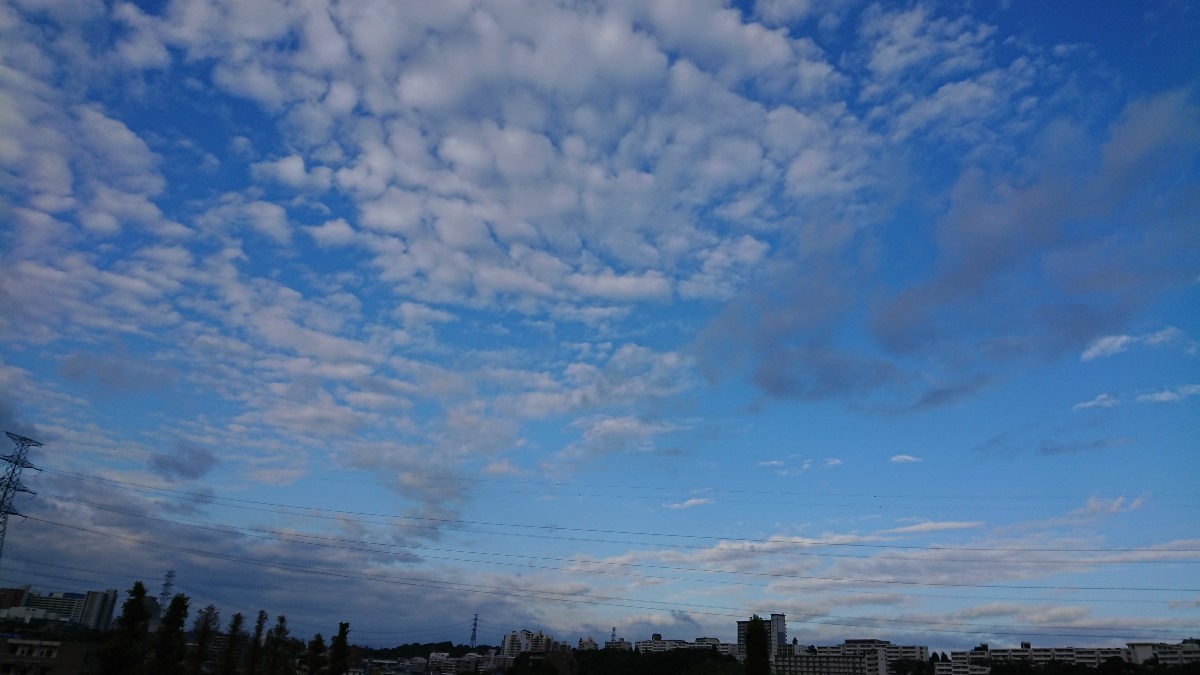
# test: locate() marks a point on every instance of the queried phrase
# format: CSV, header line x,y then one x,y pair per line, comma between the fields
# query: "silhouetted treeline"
x,y
133,649
422,650
620,662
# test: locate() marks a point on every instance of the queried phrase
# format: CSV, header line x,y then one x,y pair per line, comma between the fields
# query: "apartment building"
x,y
883,652
776,636
804,662
93,609
520,642
978,661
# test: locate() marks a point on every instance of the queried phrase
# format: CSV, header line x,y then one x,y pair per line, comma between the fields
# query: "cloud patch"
x,y
185,463
1111,345
689,504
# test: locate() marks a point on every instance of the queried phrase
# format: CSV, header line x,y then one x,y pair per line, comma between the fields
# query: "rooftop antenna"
x,y
10,483
614,634
164,596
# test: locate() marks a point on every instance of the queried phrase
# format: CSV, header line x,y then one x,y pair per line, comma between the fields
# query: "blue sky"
x,y
648,315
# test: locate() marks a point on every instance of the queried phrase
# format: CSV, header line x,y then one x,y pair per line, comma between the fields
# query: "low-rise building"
x,y
618,643
978,660
804,662
44,657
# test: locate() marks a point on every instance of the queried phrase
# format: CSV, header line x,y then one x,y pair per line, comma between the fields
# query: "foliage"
x,y
125,651
758,647
620,662
254,650
280,650
911,667
314,654
208,622
169,646
339,650
229,656
423,649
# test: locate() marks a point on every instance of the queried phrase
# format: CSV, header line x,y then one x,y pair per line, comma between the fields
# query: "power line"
x,y
606,600
446,523
339,543
434,479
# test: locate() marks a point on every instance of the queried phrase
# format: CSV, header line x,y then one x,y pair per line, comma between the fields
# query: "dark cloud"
x,y
1078,447
948,393
1020,272
115,372
784,337
1012,443
186,462
9,419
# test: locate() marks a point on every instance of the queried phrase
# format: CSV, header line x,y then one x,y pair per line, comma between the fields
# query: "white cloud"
x,y
1170,395
291,171
691,503
336,232
501,467
904,459
1097,506
1110,345
936,526
1101,401
1106,346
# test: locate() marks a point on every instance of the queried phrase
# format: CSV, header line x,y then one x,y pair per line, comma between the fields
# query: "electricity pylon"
x,y
11,483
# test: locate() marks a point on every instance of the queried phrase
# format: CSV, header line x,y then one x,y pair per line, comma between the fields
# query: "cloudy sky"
x,y
576,315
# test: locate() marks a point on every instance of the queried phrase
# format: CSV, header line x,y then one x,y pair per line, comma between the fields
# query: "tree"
x,y
169,647
314,655
758,647
125,651
208,622
229,657
254,651
279,650
339,651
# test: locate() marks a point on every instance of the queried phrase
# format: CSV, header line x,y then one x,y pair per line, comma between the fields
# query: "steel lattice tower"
x,y
164,598
11,484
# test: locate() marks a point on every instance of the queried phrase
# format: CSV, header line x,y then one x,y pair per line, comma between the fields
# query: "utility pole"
x,y
11,484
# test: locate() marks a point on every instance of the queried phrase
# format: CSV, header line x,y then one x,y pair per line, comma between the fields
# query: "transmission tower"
x,y
164,597
474,630
11,483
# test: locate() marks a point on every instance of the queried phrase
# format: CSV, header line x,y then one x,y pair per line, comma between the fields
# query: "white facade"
x,y
976,661
885,650
1186,652
519,642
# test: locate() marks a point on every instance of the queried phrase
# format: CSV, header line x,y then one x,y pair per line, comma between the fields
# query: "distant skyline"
x,y
640,314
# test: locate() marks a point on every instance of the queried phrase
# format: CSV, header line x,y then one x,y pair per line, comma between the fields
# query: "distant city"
x,y
63,628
